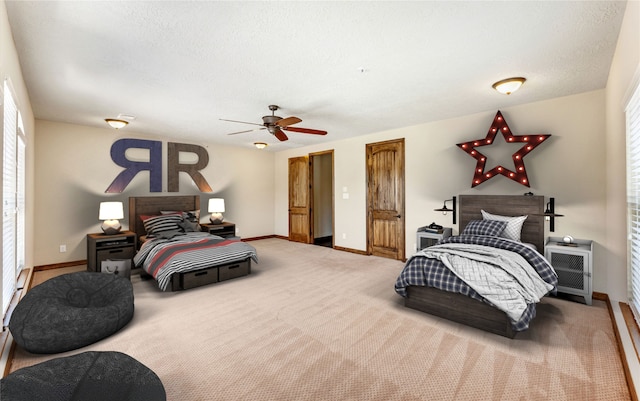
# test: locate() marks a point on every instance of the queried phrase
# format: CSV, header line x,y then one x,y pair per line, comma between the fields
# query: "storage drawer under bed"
x,y
234,270
197,278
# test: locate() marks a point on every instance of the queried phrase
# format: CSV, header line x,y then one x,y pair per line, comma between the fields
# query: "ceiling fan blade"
x,y
241,122
248,130
279,134
288,121
305,130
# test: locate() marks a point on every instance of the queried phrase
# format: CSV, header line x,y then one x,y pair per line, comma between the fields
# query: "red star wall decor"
x,y
519,174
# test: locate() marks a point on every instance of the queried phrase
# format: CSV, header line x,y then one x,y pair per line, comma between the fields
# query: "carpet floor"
x,y
313,323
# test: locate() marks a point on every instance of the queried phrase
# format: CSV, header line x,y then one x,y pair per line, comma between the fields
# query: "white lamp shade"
x,y
111,211
216,205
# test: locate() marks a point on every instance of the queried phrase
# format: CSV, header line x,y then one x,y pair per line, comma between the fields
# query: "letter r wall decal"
x,y
174,168
154,165
132,168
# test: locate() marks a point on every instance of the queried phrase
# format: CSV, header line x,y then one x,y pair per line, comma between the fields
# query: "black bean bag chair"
x,y
94,376
70,311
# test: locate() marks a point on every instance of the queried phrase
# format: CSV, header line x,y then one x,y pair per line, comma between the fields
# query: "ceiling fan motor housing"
x,y
270,123
271,120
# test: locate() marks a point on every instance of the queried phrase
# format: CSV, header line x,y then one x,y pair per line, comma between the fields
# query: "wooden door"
x,y
300,200
385,199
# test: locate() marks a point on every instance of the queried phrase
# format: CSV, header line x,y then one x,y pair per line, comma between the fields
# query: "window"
x,y
633,196
13,199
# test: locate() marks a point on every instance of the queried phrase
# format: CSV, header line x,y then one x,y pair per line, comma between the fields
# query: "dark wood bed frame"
x,y
468,311
153,205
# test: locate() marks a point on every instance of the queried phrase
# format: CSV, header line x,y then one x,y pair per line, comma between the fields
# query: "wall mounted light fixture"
x,y
509,85
116,123
444,209
550,214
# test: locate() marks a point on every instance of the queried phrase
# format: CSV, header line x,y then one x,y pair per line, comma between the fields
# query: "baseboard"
x,y
625,365
59,265
261,237
359,252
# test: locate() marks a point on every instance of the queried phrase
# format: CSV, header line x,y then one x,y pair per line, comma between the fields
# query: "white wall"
x,y
623,76
569,166
74,168
10,69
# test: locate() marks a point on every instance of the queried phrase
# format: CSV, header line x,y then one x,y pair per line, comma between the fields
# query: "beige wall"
x,y
74,168
10,69
623,76
569,166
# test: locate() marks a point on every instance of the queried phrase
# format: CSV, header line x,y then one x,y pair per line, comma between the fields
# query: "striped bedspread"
x,y
162,258
424,271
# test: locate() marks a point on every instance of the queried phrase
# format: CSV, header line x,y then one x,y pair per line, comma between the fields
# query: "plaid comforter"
x,y
422,271
163,257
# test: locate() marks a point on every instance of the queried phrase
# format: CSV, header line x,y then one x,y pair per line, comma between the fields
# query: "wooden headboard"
x,y
508,205
152,205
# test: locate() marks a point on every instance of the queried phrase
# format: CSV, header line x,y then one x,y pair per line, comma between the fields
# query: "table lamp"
x,y
110,212
216,208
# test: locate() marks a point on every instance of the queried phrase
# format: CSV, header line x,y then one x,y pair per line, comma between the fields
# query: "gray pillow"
x,y
514,224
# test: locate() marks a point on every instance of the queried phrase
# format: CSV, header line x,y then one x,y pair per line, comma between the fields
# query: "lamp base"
x,y
111,227
216,218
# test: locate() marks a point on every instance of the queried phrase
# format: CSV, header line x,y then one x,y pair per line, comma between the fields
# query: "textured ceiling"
x,y
350,68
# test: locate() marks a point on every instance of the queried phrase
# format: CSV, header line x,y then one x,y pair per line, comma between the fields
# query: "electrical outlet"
x,y
63,248
344,235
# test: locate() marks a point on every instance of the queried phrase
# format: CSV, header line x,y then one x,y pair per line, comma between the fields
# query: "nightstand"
x,y
224,229
425,239
117,247
574,264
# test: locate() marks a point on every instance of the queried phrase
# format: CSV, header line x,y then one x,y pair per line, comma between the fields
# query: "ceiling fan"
x,y
275,125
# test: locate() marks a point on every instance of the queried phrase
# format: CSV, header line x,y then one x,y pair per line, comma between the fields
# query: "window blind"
x,y
21,187
633,197
9,189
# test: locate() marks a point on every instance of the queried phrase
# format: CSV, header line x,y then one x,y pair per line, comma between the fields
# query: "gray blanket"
x,y
502,277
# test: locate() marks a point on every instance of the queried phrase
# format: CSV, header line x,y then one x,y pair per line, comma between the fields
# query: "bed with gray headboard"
x,y
463,308
229,259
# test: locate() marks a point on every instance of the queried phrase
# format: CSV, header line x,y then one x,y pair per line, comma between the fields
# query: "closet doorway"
x,y
311,199
322,189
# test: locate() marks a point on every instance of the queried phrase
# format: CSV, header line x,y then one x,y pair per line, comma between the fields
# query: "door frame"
x,y
333,197
310,195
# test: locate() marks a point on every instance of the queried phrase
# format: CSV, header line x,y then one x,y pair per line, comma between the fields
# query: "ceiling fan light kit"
x,y
509,85
276,125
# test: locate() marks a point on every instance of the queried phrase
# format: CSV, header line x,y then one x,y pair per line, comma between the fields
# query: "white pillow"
x,y
514,224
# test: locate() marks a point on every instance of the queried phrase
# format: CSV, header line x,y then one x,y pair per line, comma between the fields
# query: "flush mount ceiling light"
x,y
509,85
115,123
260,145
